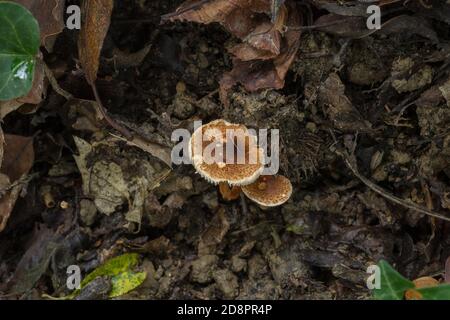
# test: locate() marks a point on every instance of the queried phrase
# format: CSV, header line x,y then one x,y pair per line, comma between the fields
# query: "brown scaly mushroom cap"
x,y
235,173
269,191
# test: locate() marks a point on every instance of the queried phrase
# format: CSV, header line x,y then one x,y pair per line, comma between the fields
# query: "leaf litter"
x,y
331,87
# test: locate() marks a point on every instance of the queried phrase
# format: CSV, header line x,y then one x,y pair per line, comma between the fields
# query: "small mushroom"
x,y
229,193
216,136
269,191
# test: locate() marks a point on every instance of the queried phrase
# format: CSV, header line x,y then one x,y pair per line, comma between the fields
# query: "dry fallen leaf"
x,y
343,26
263,57
209,11
17,161
50,15
97,17
339,108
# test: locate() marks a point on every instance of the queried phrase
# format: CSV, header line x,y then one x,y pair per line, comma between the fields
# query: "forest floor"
x,y
364,139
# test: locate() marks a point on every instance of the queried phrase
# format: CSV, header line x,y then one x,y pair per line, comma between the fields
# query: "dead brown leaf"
x,y
17,161
338,106
209,11
97,18
263,58
50,15
343,26
124,59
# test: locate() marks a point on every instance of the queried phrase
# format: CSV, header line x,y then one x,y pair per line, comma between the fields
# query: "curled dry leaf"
x,y
50,15
343,26
97,17
262,59
17,161
338,106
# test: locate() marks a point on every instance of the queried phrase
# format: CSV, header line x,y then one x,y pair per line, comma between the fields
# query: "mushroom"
x,y
210,145
229,193
269,191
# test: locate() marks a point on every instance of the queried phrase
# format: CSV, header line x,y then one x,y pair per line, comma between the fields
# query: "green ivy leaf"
x,y
19,45
440,292
125,282
123,279
392,284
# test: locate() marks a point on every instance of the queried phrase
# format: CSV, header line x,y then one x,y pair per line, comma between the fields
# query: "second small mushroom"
x,y
269,191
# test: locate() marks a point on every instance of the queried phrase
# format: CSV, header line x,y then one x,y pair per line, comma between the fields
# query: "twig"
x,y
54,83
184,10
385,194
244,205
124,131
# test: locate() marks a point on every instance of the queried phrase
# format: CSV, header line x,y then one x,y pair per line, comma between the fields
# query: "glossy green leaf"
x,y
19,45
440,292
125,282
123,279
392,284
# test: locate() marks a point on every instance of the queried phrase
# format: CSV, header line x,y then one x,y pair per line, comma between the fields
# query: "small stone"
x,y
203,268
311,126
257,267
203,62
203,47
211,200
181,87
380,174
400,157
227,282
64,205
238,264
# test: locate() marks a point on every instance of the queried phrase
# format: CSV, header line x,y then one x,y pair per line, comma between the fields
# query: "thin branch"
x,y
54,83
385,194
124,131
